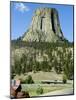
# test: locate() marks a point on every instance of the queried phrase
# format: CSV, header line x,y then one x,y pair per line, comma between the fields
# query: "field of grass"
x,y
32,88
41,76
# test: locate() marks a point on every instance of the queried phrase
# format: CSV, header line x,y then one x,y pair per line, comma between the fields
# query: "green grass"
x,y
38,77
46,88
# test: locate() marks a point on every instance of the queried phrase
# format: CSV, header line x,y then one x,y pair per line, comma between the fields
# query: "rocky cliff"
x,y
45,26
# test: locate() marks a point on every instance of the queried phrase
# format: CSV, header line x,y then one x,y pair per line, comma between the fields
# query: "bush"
x,y
39,90
29,80
64,79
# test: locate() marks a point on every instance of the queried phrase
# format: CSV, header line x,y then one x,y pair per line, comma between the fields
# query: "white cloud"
x,y
21,7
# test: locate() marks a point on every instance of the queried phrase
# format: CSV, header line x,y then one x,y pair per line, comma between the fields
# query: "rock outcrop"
x,y
45,26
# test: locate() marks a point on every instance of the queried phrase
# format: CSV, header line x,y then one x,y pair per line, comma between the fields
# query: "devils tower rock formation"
x,y
45,26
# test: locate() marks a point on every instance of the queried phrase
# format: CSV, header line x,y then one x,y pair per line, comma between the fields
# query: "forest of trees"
x,y
60,59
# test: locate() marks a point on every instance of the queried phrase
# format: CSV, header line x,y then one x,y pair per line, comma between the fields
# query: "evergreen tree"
x,y
69,66
18,67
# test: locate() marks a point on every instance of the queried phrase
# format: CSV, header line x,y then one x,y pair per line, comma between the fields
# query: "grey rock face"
x,y
45,26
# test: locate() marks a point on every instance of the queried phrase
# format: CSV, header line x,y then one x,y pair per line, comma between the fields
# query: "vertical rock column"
x,y
45,26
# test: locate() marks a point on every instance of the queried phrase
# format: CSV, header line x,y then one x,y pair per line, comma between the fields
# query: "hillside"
x,y
27,57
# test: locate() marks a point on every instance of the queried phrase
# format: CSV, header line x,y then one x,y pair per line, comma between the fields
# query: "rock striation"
x,y
45,26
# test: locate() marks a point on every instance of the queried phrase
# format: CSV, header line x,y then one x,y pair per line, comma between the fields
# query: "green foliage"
x,y
37,66
69,66
17,67
44,66
39,45
59,58
64,79
39,90
29,80
12,70
23,62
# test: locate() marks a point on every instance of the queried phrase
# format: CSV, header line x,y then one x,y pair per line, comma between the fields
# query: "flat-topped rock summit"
x,y
45,26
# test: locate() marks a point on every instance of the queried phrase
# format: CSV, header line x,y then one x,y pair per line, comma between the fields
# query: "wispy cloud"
x,y
21,7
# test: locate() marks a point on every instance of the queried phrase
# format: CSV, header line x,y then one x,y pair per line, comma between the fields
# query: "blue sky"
x,y
21,17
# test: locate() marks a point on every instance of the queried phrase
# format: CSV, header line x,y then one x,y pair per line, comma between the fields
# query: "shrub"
x,y
64,79
39,90
29,80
